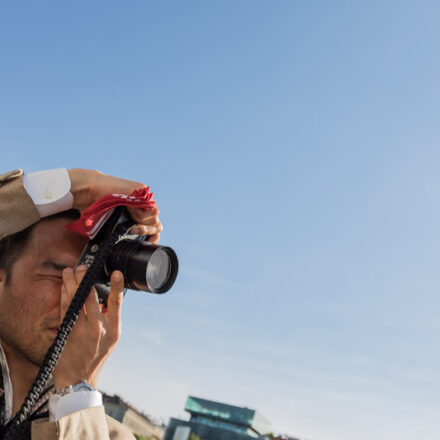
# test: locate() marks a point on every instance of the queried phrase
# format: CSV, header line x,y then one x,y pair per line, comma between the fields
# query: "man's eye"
x,y
48,276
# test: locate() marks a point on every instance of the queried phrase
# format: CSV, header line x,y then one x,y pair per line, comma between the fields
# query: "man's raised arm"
x,y
26,197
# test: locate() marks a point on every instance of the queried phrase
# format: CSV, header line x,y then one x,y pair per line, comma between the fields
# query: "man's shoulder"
x,y
117,430
90,423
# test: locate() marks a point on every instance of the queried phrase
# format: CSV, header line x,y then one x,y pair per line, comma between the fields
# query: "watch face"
x,y
83,386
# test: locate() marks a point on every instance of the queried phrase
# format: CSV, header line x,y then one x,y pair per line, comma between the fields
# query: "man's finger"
x,y
141,215
154,238
114,300
92,305
64,301
69,281
79,273
141,229
153,221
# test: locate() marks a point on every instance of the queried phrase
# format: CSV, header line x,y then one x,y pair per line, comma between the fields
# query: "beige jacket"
x,y
87,424
17,212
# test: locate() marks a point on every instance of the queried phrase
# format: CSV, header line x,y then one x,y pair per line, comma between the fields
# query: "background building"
x,y
284,437
217,421
136,421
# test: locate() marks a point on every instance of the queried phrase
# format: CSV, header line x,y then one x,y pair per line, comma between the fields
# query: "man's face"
x,y
30,303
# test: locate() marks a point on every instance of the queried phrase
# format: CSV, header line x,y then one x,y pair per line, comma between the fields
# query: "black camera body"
x,y
145,266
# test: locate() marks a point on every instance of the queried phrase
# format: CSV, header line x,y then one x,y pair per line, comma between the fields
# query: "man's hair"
x,y
13,246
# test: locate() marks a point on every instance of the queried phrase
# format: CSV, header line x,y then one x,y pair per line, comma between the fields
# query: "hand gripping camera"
x,y
145,266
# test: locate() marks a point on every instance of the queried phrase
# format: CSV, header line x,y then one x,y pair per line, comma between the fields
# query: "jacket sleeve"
x,y
90,423
17,210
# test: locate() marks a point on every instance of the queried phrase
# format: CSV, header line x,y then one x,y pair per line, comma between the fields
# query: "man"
x,y
37,283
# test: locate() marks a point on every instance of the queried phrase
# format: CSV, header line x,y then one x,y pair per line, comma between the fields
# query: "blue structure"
x,y
217,421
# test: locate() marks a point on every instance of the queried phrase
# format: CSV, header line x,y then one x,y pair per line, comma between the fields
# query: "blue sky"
x,y
293,148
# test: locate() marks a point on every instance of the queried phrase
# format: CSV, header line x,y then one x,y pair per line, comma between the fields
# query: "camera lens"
x,y
145,266
158,269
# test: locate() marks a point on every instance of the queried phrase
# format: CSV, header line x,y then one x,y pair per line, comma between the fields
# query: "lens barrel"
x,y
145,266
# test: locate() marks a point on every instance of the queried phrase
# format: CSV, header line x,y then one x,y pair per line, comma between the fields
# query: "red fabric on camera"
x,y
94,216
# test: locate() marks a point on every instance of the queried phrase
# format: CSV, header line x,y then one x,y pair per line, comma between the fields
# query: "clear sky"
x,y
293,147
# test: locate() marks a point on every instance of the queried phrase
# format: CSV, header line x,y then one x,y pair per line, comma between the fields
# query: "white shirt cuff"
x,y
60,406
49,190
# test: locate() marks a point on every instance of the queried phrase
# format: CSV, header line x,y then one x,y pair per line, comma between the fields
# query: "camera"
x,y
145,266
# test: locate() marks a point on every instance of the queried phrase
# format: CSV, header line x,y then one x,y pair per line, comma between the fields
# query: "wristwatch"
x,y
80,386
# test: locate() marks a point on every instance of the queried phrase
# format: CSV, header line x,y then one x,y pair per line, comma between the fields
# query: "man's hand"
x,y
95,333
89,185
